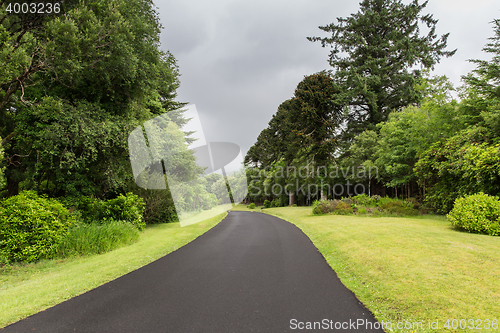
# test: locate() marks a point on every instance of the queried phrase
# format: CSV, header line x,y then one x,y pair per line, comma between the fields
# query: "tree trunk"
x,y
323,195
291,197
12,187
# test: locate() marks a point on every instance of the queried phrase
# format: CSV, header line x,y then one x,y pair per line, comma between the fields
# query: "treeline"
x,y
377,125
73,85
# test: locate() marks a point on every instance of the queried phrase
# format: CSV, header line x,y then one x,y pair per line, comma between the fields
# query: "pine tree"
x,y
374,53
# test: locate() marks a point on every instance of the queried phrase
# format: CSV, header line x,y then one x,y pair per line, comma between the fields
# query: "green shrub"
x,y
399,207
412,202
31,226
267,203
391,205
276,202
347,201
85,239
362,200
362,211
129,208
477,213
324,207
158,207
251,206
343,208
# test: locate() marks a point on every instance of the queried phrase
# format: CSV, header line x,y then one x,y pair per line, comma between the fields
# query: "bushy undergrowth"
x,y
251,206
343,208
158,207
267,203
85,239
363,204
477,213
129,208
325,206
31,226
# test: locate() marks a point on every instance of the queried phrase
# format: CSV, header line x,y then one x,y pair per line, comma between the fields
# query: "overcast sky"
x,y
239,60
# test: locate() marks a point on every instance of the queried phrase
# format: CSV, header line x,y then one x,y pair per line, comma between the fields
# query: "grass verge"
x,y
409,270
31,288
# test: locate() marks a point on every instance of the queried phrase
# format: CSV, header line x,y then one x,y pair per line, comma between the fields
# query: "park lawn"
x,y
31,288
409,269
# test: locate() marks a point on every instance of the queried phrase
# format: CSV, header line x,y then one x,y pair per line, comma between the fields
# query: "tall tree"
x,y
373,53
481,97
95,73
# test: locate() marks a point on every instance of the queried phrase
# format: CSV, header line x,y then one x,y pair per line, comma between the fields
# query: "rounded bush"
x,y
324,207
251,206
477,213
129,208
362,200
347,201
276,202
267,203
31,226
343,208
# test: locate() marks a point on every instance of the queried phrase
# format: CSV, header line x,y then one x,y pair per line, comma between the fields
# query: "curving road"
x,y
251,273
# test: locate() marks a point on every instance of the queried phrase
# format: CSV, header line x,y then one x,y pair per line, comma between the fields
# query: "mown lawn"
x,y
409,269
28,289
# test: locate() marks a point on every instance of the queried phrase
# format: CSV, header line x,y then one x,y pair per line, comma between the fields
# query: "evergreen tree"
x,y
373,53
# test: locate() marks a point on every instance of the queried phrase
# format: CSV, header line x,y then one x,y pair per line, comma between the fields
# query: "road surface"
x,y
251,273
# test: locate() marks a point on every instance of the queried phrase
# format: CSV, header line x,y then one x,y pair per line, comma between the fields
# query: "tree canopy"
x,y
374,53
73,88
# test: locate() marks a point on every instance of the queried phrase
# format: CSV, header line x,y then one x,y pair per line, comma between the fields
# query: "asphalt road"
x,y
251,273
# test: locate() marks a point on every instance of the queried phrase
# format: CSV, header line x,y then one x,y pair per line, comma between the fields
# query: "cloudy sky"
x,y
240,59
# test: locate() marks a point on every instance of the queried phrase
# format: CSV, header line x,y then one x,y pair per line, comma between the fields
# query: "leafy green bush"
x,y
276,202
31,226
392,205
399,207
159,207
343,208
362,200
129,208
267,203
324,207
347,201
477,213
85,239
251,206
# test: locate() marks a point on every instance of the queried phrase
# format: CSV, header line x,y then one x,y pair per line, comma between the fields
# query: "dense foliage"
x,y
31,226
373,53
129,208
74,87
401,134
477,213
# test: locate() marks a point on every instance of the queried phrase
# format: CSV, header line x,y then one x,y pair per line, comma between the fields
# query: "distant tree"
x,y
373,53
481,97
362,155
304,128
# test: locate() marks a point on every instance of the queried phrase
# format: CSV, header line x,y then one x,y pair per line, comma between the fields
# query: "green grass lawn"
x,y
28,289
409,269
